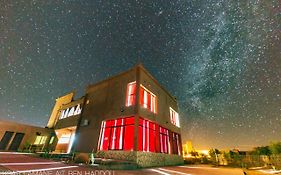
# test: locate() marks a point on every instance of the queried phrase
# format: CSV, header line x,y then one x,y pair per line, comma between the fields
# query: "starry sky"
x,y
221,59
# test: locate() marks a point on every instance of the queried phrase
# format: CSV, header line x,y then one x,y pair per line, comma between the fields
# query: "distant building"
x,y
129,114
21,137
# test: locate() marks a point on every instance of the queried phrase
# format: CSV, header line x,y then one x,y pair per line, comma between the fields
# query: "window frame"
x,y
117,134
131,94
148,100
40,140
174,117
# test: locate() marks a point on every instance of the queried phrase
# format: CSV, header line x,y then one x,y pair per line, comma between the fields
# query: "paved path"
x,y
201,170
15,163
25,164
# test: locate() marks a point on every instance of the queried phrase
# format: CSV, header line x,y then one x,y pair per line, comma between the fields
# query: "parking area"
x,y
25,164
21,163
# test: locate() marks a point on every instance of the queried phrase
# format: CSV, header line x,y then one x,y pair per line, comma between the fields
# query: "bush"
x,y
275,147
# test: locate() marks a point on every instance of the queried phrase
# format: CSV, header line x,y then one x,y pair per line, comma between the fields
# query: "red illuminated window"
x,y
148,99
131,94
104,135
174,116
164,140
129,138
154,138
147,136
116,140
117,134
176,143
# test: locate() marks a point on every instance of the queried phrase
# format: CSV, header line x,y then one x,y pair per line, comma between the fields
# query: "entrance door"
x,y
16,141
65,139
6,139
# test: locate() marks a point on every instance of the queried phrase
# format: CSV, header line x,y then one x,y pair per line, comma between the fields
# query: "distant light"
x,y
206,152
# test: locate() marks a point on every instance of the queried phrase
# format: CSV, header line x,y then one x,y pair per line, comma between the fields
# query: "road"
x,y
187,170
14,163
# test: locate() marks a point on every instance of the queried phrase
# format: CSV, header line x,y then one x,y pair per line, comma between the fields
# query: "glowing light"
x,y
131,94
64,138
72,138
40,140
148,99
114,135
117,134
78,110
121,135
148,145
52,140
145,99
174,116
72,111
101,135
143,131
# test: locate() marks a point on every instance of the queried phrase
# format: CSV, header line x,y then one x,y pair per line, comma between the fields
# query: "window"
x,y
154,138
164,140
176,143
75,110
116,141
131,94
117,134
147,136
148,99
52,140
40,140
174,116
129,134
37,140
64,139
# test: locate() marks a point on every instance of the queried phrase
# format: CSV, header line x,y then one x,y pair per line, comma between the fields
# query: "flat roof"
x,y
24,124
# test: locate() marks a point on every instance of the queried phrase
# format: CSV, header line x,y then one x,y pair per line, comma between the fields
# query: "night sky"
x,y
221,59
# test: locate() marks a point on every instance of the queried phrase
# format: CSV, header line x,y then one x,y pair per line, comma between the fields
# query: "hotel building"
x,y
129,114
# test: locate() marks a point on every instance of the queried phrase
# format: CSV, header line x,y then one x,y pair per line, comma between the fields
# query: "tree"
x,y
194,153
275,147
262,150
214,155
213,152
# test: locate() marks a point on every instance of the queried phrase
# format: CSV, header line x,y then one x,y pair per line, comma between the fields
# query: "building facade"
x,y
21,137
130,112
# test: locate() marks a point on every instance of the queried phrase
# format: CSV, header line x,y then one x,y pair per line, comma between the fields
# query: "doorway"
x,y
66,138
16,141
6,139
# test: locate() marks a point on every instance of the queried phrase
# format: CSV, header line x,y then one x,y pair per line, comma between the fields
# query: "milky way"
x,y
221,59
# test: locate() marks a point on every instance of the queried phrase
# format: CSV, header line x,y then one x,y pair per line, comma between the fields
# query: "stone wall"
x,y
143,159
118,155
